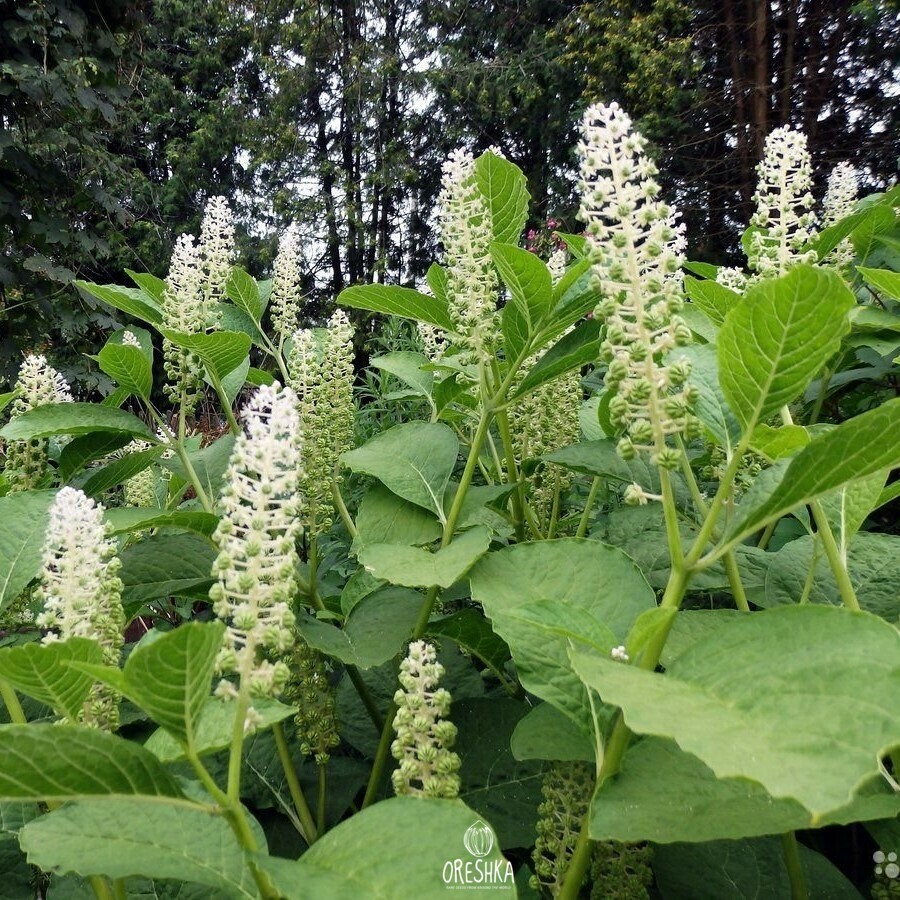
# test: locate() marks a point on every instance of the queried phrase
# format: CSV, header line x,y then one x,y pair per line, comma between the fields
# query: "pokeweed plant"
x,y
630,653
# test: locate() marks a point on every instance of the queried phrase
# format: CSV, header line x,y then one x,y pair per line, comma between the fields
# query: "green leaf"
x,y
259,377
7,398
712,299
81,450
149,284
134,301
213,728
101,479
42,671
704,270
129,520
497,785
375,630
516,333
66,762
848,508
743,870
663,794
243,291
74,418
221,351
855,449
164,565
776,340
871,562
414,567
545,733
23,520
131,837
385,518
528,280
711,408
576,349
777,443
883,280
796,729
130,367
541,596
397,301
369,855
880,219
409,368
414,460
505,189
472,632
209,464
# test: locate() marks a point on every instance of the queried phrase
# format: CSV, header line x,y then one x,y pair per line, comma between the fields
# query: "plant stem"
x,y
310,833
381,755
734,579
823,390
341,507
320,807
794,867
554,513
578,865
838,567
588,506
13,707
767,535
101,887
226,407
512,474
366,697
119,889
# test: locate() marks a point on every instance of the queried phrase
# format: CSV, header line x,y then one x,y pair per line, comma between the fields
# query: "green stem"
x,y
838,566
795,869
320,808
119,889
381,755
734,579
226,407
14,708
512,472
310,833
237,742
366,697
588,506
816,411
811,572
101,887
554,513
341,507
767,535
578,865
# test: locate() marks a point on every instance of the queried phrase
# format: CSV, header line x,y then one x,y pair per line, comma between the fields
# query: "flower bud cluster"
x,y
311,692
733,278
635,245
129,340
784,221
321,375
622,871
287,283
567,790
840,201
428,768
38,384
557,265
466,233
140,489
434,341
256,537
81,592
217,251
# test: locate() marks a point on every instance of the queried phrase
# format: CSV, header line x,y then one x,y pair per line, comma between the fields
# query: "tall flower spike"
x,y
557,264
635,245
287,283
321,375
256,537
38,384
840,200
81,591
428,768
783,221
465,230
216,254
311,692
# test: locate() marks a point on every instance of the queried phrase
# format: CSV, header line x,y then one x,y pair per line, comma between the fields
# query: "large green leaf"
x,y
528,280
713,299
397,848
130,367
810,729
858,448
243,291
221,351
66,762
131,837
375,630
711,408
883,280
154,287
43,672
209,464
384,518
97,480
415,460
578,348
85,449
472,631
776,340
397,301
505,189
213,728
545,733
131,519
408,367
542,596
134,301
415,567
74,418
23,520
663,794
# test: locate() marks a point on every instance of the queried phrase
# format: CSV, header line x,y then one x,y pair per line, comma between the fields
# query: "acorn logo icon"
x,y
479,839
